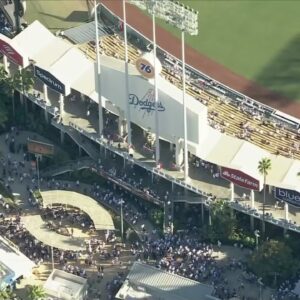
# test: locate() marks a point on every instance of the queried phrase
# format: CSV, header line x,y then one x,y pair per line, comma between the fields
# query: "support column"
x,y
270,189
82,97
252,198
45,92
179,153
286,211
172,188
231,191
22,91
61,106
209,217
5,62
251,223
121,122
62,137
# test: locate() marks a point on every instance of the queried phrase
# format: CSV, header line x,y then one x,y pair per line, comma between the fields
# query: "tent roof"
x,y
164,285
85,83
247,158
288,170
14,261
34,38
70,67
51,53
64,285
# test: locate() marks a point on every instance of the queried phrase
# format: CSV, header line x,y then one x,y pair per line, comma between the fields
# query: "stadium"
x,y
225,128
109,87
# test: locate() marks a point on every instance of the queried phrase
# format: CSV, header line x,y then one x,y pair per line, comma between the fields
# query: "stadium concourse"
x,y
249,127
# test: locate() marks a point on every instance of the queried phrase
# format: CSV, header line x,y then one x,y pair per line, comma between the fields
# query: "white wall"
x,y
142,92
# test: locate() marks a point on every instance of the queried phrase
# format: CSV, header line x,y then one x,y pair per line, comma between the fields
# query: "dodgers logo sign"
x,y
146,104
50,80
289,196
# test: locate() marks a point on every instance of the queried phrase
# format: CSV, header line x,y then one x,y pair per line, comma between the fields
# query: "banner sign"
x,y
50,80
13,55
289,196
40,148
145,68
240,178
146,103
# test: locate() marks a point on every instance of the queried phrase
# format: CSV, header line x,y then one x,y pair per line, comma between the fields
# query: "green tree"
x,y
264,166
223,220
273,259
21,81
6,295
36,292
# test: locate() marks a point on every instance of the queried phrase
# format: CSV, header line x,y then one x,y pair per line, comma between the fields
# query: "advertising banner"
x,y
289,196
13,55
145,67
240,178
40,148
50,80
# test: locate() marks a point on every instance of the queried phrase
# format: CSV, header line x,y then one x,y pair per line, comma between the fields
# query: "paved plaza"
x,y
32,220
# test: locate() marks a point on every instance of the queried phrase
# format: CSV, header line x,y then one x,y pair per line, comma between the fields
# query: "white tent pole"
x,y
98,77
126,76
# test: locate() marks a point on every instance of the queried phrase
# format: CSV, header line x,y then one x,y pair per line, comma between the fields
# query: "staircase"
x,y
79,139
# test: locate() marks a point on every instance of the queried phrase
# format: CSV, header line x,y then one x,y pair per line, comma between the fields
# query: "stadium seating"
x,y
230,117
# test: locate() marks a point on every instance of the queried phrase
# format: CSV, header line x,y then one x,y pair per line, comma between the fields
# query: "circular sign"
x,y
144,67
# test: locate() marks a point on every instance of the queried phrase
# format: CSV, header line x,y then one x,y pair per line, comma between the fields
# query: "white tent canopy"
x,y
85,84
34,39
70,67
53,51
14,261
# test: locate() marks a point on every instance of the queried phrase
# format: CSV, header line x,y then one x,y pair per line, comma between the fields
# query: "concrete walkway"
x,y
38,228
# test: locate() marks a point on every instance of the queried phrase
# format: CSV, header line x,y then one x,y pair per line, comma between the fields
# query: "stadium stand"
x,y
229,112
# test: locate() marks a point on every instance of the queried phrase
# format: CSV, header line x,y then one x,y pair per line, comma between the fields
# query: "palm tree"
x,y
264,166
36,292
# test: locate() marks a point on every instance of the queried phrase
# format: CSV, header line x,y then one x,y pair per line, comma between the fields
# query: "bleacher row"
x,y
232,118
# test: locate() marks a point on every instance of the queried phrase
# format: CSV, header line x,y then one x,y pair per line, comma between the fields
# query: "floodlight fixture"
x,y
173,12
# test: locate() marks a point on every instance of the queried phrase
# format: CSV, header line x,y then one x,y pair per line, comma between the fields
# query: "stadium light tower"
x,y
98,77
185,19
152,9
126,77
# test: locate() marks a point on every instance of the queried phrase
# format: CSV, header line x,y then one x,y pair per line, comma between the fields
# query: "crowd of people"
x,y
186,256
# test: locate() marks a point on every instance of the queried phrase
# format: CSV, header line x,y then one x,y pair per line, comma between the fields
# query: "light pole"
x,y
52,258
126,77
151,8
98,77
257,235
260,283
122,224
185,19
37,157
